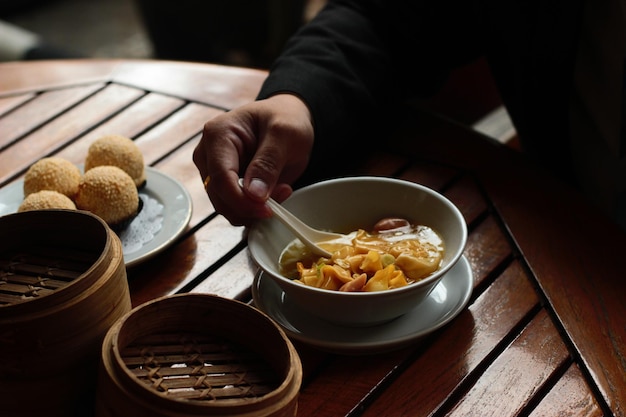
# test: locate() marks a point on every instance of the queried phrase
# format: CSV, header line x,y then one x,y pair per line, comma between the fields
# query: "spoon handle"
x,y
296,226
302,231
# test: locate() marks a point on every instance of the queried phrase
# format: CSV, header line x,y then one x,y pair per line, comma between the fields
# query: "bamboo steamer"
x,y
197,355
62,285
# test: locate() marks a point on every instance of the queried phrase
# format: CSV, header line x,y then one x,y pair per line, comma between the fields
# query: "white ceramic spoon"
x,y
307,235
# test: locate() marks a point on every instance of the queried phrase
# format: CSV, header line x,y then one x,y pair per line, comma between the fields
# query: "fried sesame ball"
x,y
46,199
54,174
118,151
110,193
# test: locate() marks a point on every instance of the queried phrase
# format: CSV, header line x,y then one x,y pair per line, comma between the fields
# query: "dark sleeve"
x,y
358,59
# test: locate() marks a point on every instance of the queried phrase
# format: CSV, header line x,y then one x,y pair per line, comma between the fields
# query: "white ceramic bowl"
x,y
347,204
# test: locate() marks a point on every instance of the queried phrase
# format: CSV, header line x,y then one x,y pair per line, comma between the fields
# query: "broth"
x,y
384,258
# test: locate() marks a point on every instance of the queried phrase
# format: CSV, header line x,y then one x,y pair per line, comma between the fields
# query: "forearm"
x,y
336,64
358,59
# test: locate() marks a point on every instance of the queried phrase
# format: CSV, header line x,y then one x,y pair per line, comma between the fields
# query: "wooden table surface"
x,y
544,333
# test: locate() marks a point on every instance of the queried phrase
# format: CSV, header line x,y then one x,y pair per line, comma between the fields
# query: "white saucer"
x,y
445,302
165,215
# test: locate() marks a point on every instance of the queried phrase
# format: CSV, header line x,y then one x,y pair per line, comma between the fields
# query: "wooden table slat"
x,y
381,164
231,280
187,259
8,103
137,118
463,348
487,249
430,175
349,380
571,396
517,374
215,85
174,131
16,78
64,129
466,195
177,165
40,110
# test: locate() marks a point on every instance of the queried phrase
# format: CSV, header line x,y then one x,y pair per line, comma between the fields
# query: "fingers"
x,y
267,143
218,157
285,140
232,202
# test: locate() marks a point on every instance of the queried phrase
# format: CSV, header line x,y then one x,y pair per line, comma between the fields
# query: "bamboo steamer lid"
x,y
197,355
62,285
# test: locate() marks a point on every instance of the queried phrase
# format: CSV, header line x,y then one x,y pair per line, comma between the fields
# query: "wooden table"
x,y
545,330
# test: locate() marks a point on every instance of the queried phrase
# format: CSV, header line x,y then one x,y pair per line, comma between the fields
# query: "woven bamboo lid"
x,y
198,354
44,251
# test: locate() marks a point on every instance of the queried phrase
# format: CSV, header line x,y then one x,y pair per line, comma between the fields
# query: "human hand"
x,y
267,142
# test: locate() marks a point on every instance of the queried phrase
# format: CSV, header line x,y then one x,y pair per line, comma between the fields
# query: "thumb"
x,y
263,171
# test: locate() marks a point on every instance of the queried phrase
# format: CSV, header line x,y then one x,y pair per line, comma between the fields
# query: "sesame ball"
x,y
54,174
118,151
46,199
110,193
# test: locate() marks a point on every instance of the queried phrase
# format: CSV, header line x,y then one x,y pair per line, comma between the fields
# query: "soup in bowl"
x,y
351,206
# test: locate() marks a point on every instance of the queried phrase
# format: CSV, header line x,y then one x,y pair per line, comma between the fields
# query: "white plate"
x,y
445,302
165,215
